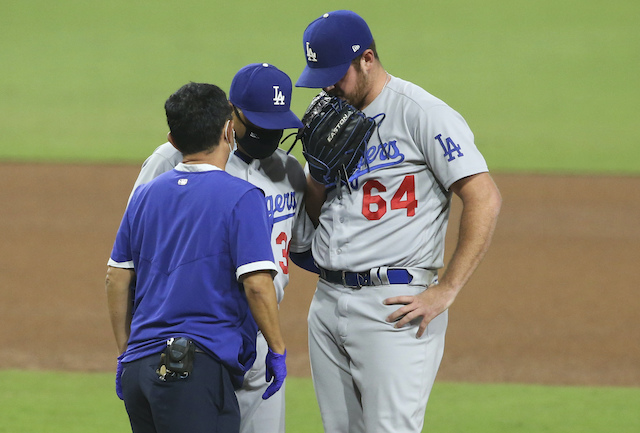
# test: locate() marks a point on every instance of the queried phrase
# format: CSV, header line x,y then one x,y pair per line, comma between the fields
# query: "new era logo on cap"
x,y
355,48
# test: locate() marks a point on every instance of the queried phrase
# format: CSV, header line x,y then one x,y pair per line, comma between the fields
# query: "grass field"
x,y
82,402
546,86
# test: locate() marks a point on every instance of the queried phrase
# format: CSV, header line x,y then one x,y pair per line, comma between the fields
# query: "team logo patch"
x,y
449,147
311,56
278,98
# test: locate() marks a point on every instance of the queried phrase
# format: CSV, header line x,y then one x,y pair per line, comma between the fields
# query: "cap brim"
x,y
273,120
319,78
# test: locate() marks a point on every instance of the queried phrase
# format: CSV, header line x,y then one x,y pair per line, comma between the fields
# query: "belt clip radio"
x,y
176,361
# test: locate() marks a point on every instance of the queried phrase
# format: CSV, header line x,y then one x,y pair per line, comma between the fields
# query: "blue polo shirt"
x,y
190,234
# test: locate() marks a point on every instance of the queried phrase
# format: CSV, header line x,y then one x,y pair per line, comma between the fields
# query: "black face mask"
x,y
258,143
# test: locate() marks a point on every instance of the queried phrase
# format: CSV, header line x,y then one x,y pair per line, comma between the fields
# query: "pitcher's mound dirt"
x,y
555,301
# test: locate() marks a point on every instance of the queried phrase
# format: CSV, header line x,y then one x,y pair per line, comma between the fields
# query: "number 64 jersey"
x,y
397,211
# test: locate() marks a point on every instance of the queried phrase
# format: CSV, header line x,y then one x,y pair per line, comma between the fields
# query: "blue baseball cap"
x,y
330,43
263,93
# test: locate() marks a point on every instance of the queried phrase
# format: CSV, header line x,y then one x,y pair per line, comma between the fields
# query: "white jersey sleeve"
x,y
302,234
303,229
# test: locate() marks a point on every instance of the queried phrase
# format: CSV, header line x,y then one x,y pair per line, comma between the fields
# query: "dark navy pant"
x,y
204,402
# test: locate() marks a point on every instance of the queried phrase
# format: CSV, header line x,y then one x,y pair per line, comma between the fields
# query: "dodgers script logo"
x,y
376,157
281,207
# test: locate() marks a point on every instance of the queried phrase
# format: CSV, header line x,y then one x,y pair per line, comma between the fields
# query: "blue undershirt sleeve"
x,y
305,261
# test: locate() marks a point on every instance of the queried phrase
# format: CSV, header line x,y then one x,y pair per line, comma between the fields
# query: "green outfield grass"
x,y
47,402
546,85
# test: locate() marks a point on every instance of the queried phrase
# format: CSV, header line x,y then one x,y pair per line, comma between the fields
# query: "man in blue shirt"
x,y
260,95
196,241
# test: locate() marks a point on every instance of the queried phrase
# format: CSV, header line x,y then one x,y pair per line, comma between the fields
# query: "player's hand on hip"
x,y
428,305
276,370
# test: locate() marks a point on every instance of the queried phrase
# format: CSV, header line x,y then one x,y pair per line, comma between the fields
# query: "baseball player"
x,y
187,331
378,318
260,95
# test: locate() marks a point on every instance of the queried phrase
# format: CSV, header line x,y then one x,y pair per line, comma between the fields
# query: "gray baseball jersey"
x,y
397,212
282,180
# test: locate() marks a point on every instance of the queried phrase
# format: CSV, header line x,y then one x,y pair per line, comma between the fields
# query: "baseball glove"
x,y
334,138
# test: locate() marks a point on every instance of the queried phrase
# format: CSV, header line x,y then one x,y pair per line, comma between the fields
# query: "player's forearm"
x,y
261,296
117,284
481,205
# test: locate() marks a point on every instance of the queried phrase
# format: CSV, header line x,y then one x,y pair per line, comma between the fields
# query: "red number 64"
x,y
374,206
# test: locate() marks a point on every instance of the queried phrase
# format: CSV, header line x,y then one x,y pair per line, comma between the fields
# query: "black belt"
x,y
360,279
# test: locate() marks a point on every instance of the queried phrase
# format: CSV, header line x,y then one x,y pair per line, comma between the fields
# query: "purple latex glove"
x,y
276,370
119,378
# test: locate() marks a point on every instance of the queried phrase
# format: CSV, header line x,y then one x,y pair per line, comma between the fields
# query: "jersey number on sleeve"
x,y
374,206
284,264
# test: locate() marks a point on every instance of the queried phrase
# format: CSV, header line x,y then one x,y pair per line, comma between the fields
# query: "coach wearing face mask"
x,y
260,95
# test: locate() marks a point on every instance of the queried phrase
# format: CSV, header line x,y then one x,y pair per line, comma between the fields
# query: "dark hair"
x,y
356,62
196,114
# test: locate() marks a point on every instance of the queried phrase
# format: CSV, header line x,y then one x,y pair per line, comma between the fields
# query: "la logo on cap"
x,y
278,98
311,56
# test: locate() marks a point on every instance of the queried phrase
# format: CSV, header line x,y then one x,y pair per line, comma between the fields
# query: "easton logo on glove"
x,y
334,139
337,128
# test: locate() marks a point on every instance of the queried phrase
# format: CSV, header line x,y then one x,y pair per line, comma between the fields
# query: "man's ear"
x,y
367,58
227,132
170,138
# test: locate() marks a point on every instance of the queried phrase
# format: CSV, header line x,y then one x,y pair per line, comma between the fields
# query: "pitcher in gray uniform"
x,y
378,318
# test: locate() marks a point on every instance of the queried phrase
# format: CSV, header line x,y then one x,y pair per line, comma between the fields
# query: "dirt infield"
x,y
556,300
